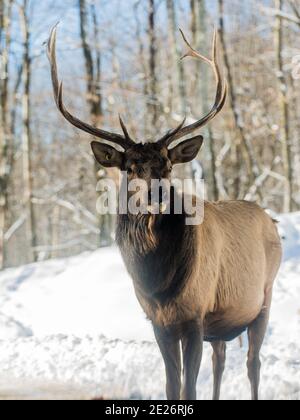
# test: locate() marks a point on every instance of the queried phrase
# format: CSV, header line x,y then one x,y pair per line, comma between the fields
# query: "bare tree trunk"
x,y
2,143
244,145
194,21
2,193
153,104
5,42
31,233
3,138
199,8
284,109
177,75
15,102
92,71
2,11
198,40
177,65
55,231
94,98
141,49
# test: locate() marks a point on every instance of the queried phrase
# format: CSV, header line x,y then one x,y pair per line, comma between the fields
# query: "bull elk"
x,y
209,282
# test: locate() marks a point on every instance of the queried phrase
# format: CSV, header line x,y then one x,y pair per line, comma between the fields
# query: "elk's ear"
x,y
186,151
107,156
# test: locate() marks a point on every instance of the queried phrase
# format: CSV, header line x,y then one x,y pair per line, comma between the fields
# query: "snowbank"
x,y
90,294
73,329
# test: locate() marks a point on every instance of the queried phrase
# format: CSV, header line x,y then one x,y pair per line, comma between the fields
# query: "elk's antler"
x,y
220,99
124,141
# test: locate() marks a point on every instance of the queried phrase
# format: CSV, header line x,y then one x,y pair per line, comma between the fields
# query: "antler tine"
x,y
51,49
124,142
191,51
167,139
221,92
124,129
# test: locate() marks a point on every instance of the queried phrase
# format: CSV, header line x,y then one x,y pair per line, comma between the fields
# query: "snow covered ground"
x,y
72,329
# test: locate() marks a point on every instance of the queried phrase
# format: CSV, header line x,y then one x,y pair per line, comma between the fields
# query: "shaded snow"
x,y
73,329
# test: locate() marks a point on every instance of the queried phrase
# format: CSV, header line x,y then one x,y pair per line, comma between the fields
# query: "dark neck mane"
x,y
139,233
158,252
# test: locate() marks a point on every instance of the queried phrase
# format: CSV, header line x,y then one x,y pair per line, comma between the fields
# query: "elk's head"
x,y
147,161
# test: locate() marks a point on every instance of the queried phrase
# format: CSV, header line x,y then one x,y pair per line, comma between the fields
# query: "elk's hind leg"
x,y
219,359
256,333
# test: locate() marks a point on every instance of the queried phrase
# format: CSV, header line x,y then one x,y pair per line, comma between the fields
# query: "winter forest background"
x,y
70,325
123,57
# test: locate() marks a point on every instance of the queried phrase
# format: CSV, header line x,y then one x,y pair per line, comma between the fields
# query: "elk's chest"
x,y
159,273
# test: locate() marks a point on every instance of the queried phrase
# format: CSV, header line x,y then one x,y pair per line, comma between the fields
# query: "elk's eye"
x,y
108,156
140,171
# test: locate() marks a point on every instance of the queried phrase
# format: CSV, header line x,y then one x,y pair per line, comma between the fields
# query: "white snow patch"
x,y
11,329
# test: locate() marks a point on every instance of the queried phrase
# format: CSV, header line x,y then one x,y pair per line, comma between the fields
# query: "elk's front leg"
x,y
192,346
169,345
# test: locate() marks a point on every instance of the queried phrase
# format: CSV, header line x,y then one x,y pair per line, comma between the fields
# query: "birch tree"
x,y
5,41
153,103
177,65
284,111
94,98
200,40
31,233
243,147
